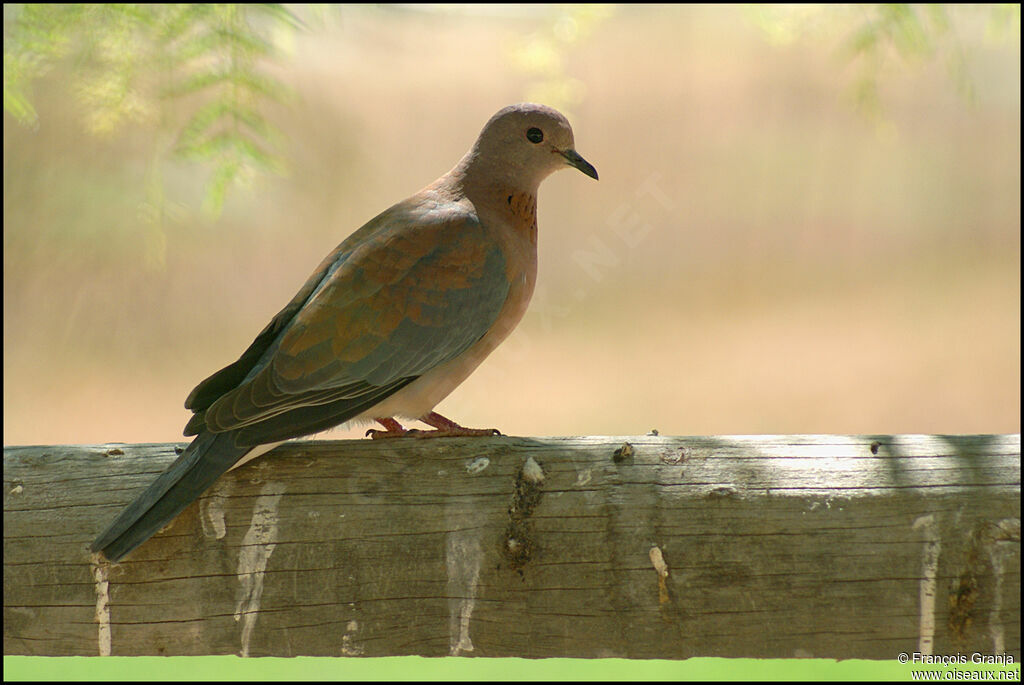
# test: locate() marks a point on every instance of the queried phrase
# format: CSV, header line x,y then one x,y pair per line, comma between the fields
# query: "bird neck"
x,y
485,176
499,189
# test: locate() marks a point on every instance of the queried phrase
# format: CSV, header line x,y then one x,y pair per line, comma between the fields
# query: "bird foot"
x,y
444,428
393,429
375,434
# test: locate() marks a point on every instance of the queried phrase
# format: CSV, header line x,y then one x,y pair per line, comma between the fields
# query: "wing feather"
x,y
414,293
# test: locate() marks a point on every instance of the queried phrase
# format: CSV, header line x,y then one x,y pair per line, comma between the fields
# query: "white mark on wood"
x,y
583,477
477,465
532,471
211,510
658,561
1007,530
348,646
928,585
99,574
995,628
462,558
257,546
17,490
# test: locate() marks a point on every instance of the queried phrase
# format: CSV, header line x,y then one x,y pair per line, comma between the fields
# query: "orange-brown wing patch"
x,y
402,302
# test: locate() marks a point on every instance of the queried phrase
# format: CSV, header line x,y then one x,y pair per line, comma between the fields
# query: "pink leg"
x,y
393,429
446,428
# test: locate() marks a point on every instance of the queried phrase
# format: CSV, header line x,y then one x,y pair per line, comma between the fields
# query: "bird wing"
x,y
414,290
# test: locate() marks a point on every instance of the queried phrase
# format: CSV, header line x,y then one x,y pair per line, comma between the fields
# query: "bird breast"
x,y
518,242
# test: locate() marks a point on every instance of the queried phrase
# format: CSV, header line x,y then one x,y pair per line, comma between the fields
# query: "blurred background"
x,y
808,218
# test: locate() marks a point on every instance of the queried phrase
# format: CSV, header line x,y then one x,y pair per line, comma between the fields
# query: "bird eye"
x,y
535,135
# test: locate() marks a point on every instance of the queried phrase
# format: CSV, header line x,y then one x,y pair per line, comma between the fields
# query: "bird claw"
x,y
375,434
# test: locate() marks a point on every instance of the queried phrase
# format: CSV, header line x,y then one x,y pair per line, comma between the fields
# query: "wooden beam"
x,y
652,547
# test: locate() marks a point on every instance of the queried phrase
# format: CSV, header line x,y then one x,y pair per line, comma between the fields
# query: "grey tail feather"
x,y
202,462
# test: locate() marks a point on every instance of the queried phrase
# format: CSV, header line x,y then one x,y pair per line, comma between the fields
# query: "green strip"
x,y
420,668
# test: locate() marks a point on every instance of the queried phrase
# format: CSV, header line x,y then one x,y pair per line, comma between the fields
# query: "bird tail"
x,y
202,462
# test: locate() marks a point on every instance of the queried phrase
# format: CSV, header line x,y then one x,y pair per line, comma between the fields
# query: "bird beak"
x,y
575,160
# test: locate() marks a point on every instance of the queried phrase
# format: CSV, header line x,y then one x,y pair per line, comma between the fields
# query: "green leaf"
x,y
281,13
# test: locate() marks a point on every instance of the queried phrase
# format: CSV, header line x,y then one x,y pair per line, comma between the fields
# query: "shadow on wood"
x,y
649,547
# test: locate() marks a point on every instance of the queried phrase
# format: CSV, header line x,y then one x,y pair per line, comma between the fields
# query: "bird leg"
x,y
393,430
446,428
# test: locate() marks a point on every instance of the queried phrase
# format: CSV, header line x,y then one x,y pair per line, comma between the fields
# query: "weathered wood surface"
x,y
763,546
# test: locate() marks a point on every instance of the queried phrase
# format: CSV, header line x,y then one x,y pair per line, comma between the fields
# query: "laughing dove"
x,y
392,321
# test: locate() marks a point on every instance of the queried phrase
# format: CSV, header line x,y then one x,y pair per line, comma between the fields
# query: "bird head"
x,y
525,143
